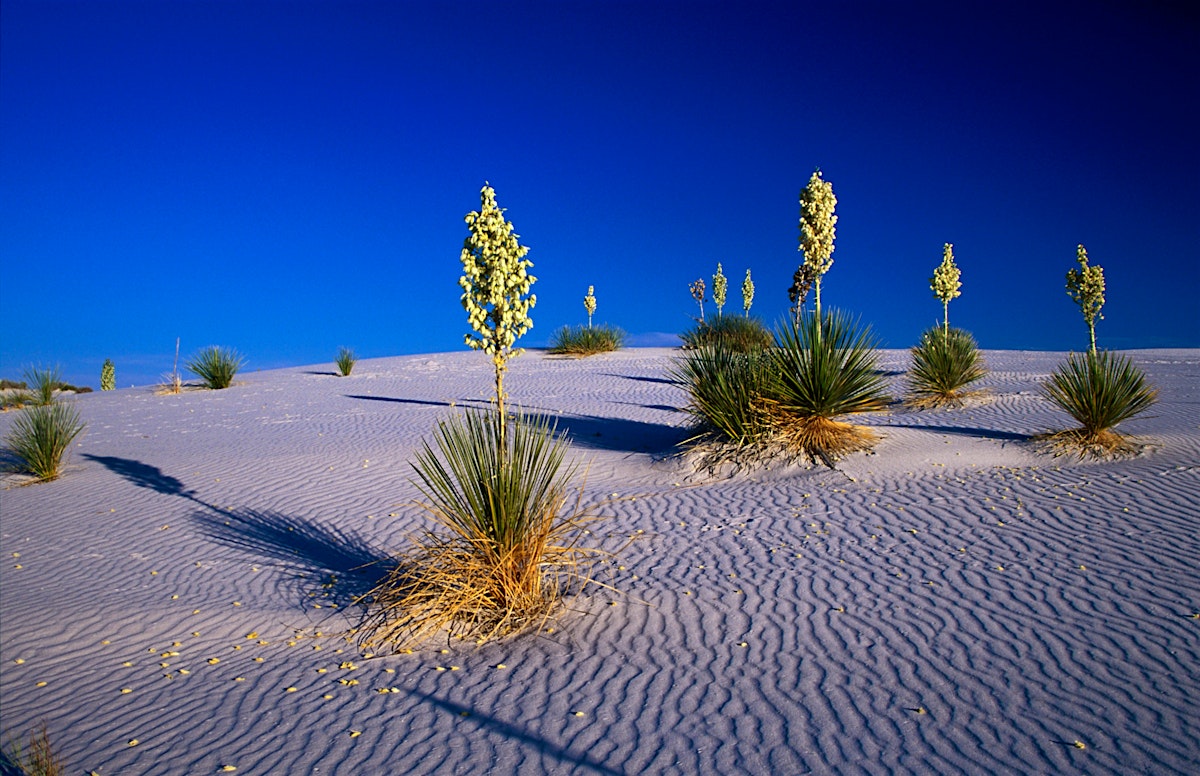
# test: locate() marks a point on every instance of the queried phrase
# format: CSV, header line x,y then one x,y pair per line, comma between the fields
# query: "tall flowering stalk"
x,y
945,284
589,304
495,283
697,290
1085,285
817,232
720,289
747,294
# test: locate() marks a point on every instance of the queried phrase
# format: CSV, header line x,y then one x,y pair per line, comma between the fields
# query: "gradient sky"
x,y
288,177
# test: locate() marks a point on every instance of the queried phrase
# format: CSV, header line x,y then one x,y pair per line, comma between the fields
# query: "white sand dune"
x,y
956,602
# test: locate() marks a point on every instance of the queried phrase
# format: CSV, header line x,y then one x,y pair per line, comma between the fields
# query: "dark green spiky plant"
x,y
45,382
345,361
1099,390
827,369
944,363
586,341
216,366
729,391
108,376
740,333
40,437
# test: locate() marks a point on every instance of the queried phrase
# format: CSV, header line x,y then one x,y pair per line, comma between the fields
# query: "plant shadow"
x,y
615,434
983,433
143,475
392,399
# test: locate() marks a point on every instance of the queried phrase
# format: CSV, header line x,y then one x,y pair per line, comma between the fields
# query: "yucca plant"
x,y
41,435
739,333
508,546
45,382
39,759
1099,390
216,366
345,361
827,368
108,376
586,340
944,363
729,392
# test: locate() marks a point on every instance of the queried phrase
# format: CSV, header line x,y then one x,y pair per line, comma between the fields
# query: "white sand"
x,y
788,621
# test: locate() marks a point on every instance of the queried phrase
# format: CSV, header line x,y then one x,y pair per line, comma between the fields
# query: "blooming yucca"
x,y
720,288
945,284
747,293
1085,285
817,229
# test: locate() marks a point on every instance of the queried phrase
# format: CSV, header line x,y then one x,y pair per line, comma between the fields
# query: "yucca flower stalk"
x,y
698,290
589,304
496,284
817,229
747,294
945,284
108,376
1085,285
720,288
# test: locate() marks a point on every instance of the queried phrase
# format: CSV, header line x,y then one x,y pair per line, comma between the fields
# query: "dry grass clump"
x,y
586,340
505,549
39,759
1099,389
944,364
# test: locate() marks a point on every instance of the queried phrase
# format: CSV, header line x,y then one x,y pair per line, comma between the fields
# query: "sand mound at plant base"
x,y
955,602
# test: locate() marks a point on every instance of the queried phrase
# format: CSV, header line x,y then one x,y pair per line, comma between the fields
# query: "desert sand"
x,y
955,602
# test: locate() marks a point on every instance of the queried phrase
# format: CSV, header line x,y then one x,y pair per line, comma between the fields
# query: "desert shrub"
x,y
586,340
508,546
735,332
944,363
827,367
215,366
45,382
13,385
41,435
345,361
108,375
1099,389
728,391
39,759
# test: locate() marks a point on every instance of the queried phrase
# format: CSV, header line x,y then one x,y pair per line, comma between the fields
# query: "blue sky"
x,y
288,177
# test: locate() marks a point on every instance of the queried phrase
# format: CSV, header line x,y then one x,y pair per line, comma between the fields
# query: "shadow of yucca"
x,y
348,565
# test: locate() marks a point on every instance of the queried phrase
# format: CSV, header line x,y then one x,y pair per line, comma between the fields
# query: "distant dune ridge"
x,y
955,602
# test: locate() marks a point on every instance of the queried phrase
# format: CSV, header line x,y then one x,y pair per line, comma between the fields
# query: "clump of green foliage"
x,y
38,759
944,363
505,548
586,340
730,392
1099,390
216,366
345,361
45,382
108,376
739,333
40,437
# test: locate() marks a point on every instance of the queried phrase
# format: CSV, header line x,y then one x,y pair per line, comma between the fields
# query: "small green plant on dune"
x,y
14,394
38,758
747,294
1099,389
739,333
720,289
40,436
504,550
586,340
45,382
216,366
345,361
945,361
108,376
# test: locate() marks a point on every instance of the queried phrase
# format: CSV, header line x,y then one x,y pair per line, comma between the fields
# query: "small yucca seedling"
x,y
345,361
216,366
944,363
1099,390
40,436
108,376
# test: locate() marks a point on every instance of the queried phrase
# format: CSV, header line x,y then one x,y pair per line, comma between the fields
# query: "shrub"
x,y
41,435
1099,390
216,366
508,550
108,376
827,368
586,340
345,361
738,333
38,760
728,390
45,382
944,363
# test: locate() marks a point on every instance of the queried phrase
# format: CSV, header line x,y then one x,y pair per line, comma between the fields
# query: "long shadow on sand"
x,y
396,400
616,434
983,433
301,545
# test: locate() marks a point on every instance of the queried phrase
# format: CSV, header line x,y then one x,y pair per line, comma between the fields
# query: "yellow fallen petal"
x,y
355,733
134,742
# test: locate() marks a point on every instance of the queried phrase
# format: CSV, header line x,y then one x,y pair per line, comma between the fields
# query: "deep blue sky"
x,y
288,177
